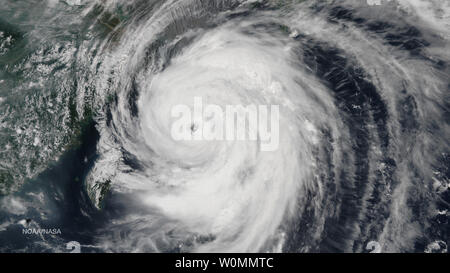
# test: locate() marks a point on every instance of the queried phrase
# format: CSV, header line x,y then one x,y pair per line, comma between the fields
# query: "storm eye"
x,y
194,127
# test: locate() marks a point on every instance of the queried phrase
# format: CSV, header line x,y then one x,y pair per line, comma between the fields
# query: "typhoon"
x,y
88,92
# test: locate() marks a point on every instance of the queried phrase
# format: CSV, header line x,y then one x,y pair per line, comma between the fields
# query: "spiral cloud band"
x,y
339,88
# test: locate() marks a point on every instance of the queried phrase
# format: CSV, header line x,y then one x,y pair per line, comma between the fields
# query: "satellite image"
x,y
224,126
